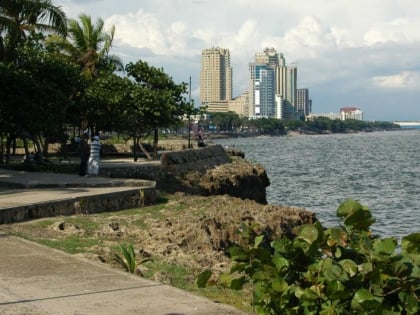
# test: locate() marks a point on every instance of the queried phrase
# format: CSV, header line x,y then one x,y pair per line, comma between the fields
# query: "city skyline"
x,y
345,58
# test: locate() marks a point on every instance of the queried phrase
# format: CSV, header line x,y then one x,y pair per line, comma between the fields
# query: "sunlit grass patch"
x,y
74,244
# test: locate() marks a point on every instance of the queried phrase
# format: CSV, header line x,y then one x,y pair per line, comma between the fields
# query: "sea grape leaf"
x,y
410,244
279,285
360,219
385,246
348,207
336,272
260,276
363,300
308,233
258,240
402,267
281,263
349,266
281,246
411,304
238,283
238,254
336,290
203,278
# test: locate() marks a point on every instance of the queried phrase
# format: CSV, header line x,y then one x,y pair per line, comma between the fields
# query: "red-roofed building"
x,y
351,113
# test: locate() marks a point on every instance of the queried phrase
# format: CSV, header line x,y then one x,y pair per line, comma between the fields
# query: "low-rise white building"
x,y
344,114
351,113
331,116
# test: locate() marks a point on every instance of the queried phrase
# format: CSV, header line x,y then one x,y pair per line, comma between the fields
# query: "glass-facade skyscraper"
x,y
272,84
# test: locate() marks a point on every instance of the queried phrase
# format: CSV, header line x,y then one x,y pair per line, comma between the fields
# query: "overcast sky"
x,y
363,53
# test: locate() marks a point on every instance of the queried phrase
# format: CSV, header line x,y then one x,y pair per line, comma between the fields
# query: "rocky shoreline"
x,y
201,212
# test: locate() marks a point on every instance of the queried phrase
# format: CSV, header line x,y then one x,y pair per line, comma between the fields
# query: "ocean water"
x,y
317,172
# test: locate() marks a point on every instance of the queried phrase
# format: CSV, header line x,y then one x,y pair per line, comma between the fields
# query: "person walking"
x,y
95,154
84,151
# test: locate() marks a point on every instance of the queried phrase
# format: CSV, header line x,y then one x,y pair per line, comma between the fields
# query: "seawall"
x,y
205,171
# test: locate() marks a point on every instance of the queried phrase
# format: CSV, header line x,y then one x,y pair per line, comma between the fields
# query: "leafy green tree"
x,y
107,99
270,126
226,122
20,18
294,124
157,100
36,95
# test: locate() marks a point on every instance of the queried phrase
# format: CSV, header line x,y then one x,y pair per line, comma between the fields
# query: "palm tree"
x,y
88,45
20,18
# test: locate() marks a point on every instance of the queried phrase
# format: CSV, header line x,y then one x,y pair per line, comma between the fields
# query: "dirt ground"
x,y
193,231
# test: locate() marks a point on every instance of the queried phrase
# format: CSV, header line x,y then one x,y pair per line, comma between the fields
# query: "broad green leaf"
x,y
328,310
385,246
260,276
308,233
335,272
237,254
238,267
237,283
336,290
281,246
366,268
258,240
348,207
410,302
279,285
335,236
360,219
402,267
410,244
260,292
306,295
281,263
363,300
349,266
203,278
337,253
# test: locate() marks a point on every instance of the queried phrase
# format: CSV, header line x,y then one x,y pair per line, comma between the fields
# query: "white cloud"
x,y
398,30
139,29
344,49
403,80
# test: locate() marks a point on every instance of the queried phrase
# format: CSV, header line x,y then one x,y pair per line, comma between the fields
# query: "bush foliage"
x,y
339,270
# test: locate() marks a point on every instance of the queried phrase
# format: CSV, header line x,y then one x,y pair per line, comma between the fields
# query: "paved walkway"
x,y
38,280
24,188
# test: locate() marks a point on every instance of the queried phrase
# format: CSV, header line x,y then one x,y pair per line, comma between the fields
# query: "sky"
x,y
361,53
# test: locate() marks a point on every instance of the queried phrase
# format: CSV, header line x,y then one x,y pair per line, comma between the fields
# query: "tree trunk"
x,y
144,151
8,147
155,143
25,145
135,143
1,149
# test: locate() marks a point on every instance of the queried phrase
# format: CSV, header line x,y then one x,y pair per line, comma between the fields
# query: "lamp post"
x,y
189,115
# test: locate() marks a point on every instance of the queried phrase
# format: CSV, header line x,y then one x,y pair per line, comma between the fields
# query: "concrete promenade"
x,y
38,280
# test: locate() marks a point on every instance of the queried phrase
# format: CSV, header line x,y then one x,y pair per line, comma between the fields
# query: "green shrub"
x,y
339,270
127,259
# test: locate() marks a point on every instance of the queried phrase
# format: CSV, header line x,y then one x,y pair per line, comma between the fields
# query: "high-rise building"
x,y
272,87
303,103
291,85
215,78
262,91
